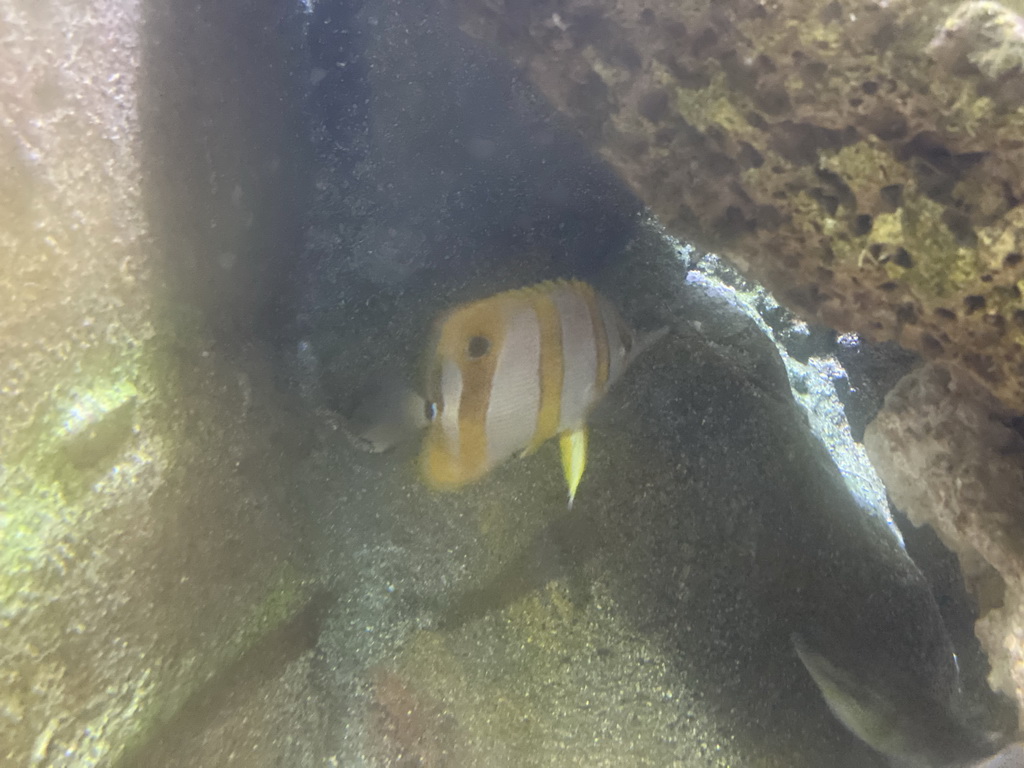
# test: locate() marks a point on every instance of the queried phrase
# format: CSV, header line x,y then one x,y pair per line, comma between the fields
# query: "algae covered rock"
x,y
861,159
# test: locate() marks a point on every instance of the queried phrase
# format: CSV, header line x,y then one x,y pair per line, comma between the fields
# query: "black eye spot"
x,y
430,410
478,347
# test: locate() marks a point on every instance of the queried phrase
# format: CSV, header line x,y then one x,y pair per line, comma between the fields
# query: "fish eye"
x,y
430,410
478,347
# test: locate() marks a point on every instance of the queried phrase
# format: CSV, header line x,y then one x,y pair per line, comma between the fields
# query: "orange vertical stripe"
x,y
450,466
486,320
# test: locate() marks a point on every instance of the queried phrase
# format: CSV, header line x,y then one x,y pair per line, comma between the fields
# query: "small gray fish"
x,y
881,719
386,414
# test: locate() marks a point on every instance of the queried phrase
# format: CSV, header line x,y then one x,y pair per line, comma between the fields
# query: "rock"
x,y
860,159
144,541
821,370
656,621
236,718
950,455
873,370
168,488
653,626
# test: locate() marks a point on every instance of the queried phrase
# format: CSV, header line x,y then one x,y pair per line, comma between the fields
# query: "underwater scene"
x,y
512,383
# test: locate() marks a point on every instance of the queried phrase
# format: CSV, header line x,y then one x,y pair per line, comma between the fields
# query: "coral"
x,y
861,159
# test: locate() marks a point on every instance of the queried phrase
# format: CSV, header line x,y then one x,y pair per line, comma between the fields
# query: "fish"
x,y
509,372
388,412
909,733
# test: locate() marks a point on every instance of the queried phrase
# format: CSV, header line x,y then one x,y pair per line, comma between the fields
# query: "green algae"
x,y
51,462
71,437
942,267
863,162
31,512
87,464
714,105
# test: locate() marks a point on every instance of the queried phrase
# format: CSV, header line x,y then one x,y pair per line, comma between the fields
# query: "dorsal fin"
x,y
545,286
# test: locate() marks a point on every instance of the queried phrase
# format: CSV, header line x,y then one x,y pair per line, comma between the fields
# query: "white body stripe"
x,y
616,348
515,388
451,397
579,354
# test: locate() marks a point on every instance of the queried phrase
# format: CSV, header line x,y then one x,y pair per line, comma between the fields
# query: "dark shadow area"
x,y
227,160
439,163
959,611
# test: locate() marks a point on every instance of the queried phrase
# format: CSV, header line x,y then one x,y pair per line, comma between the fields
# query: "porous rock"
x,y
862,159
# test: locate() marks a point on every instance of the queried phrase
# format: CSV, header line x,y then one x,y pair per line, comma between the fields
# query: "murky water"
x,y
323,183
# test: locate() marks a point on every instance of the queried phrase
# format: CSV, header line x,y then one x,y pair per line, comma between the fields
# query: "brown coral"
x,y
864,160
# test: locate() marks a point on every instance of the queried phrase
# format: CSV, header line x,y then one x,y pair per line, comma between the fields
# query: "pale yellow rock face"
x,y
136,555
950,456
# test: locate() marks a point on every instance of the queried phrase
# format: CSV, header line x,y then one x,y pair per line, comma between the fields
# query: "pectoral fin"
x,y
645,341
573,445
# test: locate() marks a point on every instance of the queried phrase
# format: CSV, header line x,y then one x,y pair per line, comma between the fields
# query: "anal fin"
x,y
573,445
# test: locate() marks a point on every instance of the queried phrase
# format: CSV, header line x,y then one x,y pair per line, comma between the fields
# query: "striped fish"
x,y
510,372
